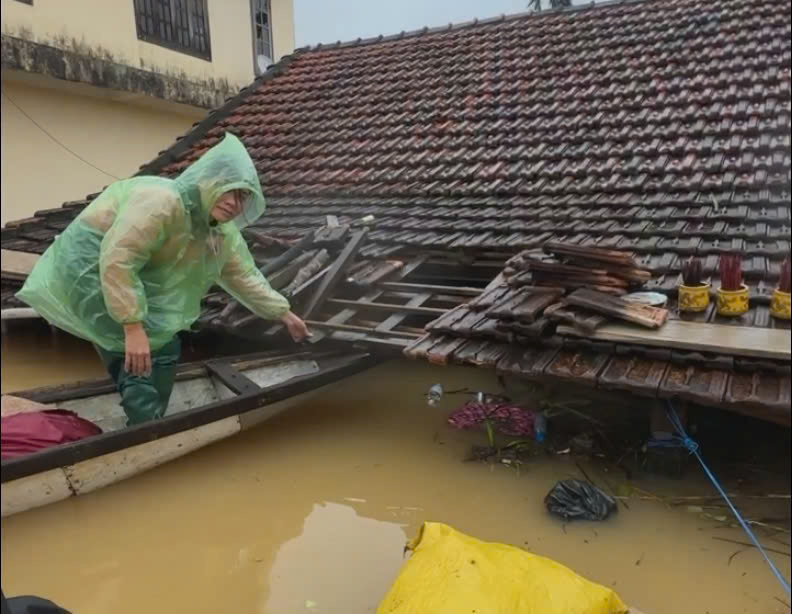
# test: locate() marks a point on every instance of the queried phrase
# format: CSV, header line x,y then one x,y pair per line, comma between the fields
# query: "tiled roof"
x,y
662,126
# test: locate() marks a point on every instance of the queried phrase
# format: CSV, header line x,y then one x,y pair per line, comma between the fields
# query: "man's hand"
x,y
138,351
296,327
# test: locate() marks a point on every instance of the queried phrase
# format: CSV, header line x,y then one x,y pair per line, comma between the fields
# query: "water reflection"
x,y
352,561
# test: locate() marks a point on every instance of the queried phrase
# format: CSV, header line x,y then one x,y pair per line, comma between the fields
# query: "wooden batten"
x,y
768,343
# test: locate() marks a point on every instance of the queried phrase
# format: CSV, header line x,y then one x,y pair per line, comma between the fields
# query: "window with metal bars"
x,y
181,25
262,34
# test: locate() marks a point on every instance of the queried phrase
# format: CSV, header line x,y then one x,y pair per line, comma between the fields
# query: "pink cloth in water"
x,y
30,432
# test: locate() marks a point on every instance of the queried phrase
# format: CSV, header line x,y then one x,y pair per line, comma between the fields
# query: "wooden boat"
x,y
211,400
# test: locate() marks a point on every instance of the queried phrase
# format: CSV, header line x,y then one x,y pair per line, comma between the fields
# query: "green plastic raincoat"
x,y
147,250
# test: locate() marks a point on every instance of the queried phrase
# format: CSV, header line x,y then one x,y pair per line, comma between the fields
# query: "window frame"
x,y
254,41
170,44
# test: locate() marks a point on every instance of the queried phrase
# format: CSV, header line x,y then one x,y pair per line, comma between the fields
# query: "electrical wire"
x,y
60,143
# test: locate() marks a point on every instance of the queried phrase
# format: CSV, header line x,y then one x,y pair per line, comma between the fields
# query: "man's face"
x,y
228,206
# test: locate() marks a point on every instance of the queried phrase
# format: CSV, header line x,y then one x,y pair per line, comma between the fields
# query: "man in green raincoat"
x,y
130,271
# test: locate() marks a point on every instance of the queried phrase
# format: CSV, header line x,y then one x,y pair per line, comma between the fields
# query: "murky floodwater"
x,y
310,512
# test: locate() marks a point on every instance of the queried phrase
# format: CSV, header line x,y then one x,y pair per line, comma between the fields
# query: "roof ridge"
x,y
462,25
199,129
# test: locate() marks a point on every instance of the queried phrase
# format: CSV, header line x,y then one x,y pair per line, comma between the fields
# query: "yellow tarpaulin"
x,y
453,573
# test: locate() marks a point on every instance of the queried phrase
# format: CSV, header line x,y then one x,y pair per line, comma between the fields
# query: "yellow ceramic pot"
x,y
780,305
694,298
732,302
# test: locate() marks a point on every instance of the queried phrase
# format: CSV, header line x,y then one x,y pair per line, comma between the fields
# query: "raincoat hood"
x,y
226,166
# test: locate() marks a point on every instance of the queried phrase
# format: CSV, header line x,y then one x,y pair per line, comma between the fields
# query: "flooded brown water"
x,y
310,512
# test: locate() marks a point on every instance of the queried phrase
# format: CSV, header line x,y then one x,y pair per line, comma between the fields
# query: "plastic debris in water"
x,y
579,500
434,395
540,426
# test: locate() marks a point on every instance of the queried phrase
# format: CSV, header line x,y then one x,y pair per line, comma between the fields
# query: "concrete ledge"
x,y
98,70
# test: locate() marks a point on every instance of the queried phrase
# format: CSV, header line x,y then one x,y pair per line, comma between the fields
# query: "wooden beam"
x,y
460,290
398,317
453,300
289,255
186,371
347,314
286,258
71,453
358,329
406,309
720,338
236,382
391,346
335,273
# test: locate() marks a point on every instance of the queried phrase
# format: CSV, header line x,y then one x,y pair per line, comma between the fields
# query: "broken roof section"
x,y
661,127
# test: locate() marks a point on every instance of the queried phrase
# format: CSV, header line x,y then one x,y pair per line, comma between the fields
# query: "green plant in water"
x,y
490,433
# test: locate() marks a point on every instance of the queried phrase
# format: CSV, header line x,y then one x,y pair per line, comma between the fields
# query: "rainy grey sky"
x,y
326,21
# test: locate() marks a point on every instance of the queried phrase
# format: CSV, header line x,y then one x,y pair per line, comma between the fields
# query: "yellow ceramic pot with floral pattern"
x,y
694,298
732,302
780,305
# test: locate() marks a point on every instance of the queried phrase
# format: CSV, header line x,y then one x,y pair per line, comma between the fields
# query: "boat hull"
x,y
206,410
93,474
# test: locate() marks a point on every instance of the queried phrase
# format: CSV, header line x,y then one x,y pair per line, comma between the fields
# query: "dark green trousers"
x,y
144,397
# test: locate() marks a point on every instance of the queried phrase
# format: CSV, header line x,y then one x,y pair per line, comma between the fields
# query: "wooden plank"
x,y
392,307
185,371
17,263
236,382
283,276
450,290
359,329
71,453
317,263
399,317
451,299
736,340
333,276
289,255
645,315
368,276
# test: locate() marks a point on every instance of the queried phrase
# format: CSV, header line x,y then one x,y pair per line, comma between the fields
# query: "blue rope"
x,y
693,448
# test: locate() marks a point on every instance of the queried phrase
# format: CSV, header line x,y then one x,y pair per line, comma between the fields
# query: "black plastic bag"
x,y
575,500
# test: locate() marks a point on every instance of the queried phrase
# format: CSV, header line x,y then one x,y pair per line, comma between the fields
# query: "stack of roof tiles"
x,y
510,328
